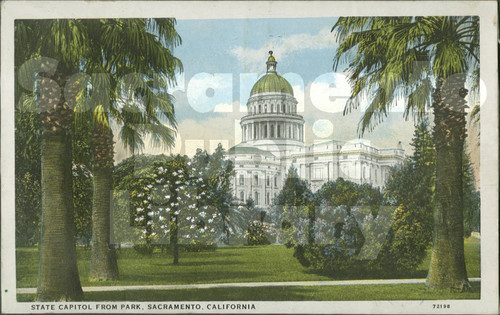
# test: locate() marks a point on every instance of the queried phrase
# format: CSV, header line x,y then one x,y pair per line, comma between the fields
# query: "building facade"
x,y
273,141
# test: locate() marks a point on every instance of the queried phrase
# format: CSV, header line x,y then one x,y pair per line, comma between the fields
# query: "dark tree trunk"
x,y
174,238
447,269
103,264
58,272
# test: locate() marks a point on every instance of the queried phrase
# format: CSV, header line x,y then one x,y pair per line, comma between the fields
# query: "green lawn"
x,y
236,264
337,293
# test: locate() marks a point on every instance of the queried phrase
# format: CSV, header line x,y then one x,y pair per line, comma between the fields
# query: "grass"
x,y
337,293
237,264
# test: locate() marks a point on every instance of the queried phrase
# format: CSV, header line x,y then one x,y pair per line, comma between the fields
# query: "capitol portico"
x,y
273,141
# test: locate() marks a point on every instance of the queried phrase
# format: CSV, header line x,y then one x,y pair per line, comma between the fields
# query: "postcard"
x,y
249,157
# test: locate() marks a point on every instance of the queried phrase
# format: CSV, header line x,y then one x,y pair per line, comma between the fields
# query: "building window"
x,y
276,181
256,197
265,131
260,109
265,108
256,179
242,195
272,131
279,131
283,108
272,108
242,180
268,198
268,181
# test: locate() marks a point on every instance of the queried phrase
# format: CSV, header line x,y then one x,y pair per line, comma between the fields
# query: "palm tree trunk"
x,y
103,264
447,269
58,272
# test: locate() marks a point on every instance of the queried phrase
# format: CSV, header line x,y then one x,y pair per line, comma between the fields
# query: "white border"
x,y
487,10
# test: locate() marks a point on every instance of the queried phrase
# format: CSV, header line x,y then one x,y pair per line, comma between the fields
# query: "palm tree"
x,y
426,61
135,63
58,272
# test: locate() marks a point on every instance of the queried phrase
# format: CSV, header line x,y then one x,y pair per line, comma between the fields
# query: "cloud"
x,y
229,108
252,58
206,90
329,92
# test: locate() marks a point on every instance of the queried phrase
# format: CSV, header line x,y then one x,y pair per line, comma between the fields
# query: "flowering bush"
x,y
172,205
256,233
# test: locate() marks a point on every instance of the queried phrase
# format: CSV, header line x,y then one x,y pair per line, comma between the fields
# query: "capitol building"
x,y
273,141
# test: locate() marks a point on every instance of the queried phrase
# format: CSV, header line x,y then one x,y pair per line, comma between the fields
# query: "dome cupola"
x,y
272,81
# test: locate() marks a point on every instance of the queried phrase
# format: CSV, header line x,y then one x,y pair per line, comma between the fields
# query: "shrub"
x,y
256,233
338,241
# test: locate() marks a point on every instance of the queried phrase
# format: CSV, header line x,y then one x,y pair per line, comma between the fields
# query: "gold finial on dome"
x,y
271,63
271,57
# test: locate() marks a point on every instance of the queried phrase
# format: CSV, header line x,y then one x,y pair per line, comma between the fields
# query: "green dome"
x,y
272,82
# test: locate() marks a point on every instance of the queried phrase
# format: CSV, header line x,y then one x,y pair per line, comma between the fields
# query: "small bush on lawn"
x,y
336,245
256,233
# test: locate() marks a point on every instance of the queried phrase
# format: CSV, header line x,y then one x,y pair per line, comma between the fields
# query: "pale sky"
x,y
222,60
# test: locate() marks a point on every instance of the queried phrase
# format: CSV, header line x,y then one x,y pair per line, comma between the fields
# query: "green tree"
x,y
410,189
342,213
39,49
132,91
218,173
28,173
173,206
472,200
426,60
294,210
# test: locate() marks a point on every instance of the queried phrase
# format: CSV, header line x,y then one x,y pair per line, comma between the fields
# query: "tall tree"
x,y
53,47
293,204
410,190
425,61
131,90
